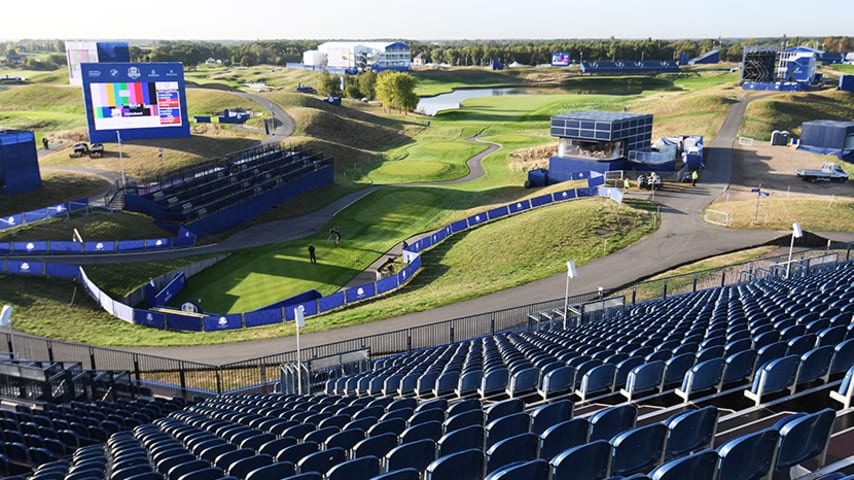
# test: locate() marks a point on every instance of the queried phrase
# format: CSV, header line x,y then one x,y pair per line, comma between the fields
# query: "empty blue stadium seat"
x,y
563,436
608,422
518,448
843,356
523,382
690,431
430,430
739,367
644,378
775,376
702,377
462,439
559,380
698,466
345,439
402,474
637,449
506,427
585,462
845,392
804,437
296,452
363,468
532,470
748,457
815,365
465,465
494,381
502,409
274,471
550,414
321,461
415,455
599,379
377,445
464,420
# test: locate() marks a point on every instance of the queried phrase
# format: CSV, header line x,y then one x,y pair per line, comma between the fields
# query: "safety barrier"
x,y
184,239
42,214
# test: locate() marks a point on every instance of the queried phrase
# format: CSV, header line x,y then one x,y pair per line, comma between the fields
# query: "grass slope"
x,y
814,214
788,110
459,269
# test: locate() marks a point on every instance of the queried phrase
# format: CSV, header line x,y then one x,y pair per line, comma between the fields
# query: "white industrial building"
x,y
360,55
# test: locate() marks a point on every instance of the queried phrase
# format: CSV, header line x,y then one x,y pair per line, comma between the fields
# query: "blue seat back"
x,y
704,376
321,461
534,469
776,375
843,357
430,430
585,462
749,456
377,445
606,423
676,367
523,381
550,414
518,448
503,409
506,427
364,468
402,474
465,465
462,439
598,379
274,471
698,466
804,437
815,364
690,431
562,436
637,449
646,377
739,366
558,380
494,381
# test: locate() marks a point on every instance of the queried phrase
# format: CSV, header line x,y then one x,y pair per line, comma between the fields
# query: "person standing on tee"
x,y
311,254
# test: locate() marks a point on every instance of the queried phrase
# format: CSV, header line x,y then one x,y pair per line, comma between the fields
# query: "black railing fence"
x,y
175,377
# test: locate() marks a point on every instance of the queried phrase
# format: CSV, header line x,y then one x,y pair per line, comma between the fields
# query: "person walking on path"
x,y
694,177
311,253
45,142
627,184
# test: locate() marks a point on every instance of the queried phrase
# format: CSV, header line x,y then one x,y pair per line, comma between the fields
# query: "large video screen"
x,y
145,100
560,59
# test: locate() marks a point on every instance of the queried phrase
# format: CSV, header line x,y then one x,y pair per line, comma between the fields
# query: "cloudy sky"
x,y
421,19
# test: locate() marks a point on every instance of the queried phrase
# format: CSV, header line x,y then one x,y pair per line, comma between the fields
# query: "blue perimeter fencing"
x,y
178,320
184,239
33,216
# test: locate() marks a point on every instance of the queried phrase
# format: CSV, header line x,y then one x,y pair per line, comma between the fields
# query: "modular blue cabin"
x,y
19,162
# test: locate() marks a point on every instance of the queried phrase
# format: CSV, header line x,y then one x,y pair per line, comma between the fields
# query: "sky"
x,y
421,19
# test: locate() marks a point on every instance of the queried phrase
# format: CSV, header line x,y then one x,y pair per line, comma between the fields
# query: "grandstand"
x,y
748,380
620,67
221,194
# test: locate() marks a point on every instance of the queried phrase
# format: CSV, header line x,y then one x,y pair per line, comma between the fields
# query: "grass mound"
x,y
42,98
787,112
57,187
345,130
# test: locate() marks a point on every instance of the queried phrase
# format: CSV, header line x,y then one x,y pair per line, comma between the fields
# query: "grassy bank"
x,y
831,214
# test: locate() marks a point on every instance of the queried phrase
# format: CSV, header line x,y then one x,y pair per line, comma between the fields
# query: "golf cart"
x,y
96,150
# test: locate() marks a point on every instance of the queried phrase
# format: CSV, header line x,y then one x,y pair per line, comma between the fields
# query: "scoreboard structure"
x,y
134,101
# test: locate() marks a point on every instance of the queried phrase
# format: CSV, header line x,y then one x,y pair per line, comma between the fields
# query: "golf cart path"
x,y
683,237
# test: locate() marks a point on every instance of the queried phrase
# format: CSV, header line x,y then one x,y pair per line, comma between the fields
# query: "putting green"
x,y
411,169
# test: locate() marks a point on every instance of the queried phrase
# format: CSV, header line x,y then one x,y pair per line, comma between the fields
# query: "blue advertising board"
x,y
133,101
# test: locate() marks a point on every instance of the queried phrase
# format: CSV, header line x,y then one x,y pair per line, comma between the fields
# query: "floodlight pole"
x,y
299,315
796,233
121,159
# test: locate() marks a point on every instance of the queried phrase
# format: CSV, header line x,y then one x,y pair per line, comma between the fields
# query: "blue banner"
x,y
11,221
5,248
130,245
564,195
59,246
519,206
183,242
62,270
476,219
35,216
223,322
586,192
21,248
263,317
19,267
157,243
332,302
176,321
403,275
309,309
498,212
595,179
149,319
99,247
580,175
79,204
416,264
171,289
459,226
386,284
360,293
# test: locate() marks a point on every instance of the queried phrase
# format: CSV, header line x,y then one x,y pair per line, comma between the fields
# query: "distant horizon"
x,y
439,20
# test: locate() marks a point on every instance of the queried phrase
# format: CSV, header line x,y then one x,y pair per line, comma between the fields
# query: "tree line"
x,y
456,53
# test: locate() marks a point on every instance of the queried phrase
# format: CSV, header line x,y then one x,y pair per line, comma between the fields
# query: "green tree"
x,y
329,85
396,90
368,84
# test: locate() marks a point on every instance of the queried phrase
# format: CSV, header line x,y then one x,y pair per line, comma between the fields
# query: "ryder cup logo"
x,y
114,72
99,246
133,73
30,246
222,322
360,292
149,318
25,267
